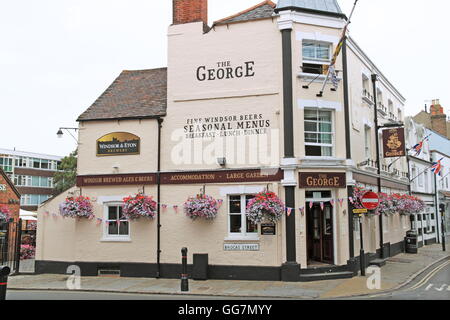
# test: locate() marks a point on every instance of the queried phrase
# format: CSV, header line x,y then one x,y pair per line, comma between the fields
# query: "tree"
x,y
66,176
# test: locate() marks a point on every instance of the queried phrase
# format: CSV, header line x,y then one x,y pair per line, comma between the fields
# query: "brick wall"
x,y
186,11
438,118
6,197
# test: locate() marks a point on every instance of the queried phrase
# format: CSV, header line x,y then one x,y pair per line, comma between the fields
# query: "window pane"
x,y
323,52
235,204
121,216
327,151
310,126
310,114
113,228
325,138
324,127
251,227
112,213
124,228
311,137
313,151
325,116
235,223
36,163
308,50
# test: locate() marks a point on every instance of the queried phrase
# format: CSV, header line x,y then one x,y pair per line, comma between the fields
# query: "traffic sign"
x,y
360,211
370,200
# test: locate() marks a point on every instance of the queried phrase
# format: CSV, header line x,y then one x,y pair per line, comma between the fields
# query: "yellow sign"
x,y
118,143
360,211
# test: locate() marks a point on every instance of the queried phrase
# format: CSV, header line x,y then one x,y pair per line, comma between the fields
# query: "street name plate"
x,y
360,211
241,247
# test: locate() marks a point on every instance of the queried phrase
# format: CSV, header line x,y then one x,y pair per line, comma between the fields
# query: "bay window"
x,y
316,56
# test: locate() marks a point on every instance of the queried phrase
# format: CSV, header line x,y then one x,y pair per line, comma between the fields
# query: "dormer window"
x,y
316,56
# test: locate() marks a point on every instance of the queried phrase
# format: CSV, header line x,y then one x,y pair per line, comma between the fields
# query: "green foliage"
x,y
66,176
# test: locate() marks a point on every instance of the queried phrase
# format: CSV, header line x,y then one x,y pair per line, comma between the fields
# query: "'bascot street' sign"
x,y
241,247
118,144
315,180
394,143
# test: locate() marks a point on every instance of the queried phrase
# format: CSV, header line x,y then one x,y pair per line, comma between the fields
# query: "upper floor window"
x,y
367,141
316,55
319,135
239,225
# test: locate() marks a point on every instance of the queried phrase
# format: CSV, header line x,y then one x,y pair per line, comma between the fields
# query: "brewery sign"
x,y
394,143
118,144
315,180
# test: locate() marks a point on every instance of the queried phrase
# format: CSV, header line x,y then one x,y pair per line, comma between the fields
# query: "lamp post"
x,y
60,132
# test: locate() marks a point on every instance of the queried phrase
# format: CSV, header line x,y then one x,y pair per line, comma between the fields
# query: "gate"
x,y
10,238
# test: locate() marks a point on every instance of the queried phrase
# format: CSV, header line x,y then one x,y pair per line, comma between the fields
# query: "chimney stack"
x,y
438,118
187,11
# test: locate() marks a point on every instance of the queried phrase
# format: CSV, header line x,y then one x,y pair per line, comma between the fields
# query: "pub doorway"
x,y
320,228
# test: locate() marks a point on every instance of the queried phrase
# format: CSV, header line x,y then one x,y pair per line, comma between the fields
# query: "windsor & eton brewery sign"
x,y
118,144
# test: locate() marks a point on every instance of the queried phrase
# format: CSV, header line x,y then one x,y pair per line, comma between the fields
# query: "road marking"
x,y
429,276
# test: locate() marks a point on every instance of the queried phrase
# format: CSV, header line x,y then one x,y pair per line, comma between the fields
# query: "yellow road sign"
x,y
360,211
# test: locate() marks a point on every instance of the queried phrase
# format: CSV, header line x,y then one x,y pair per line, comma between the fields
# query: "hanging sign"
x,y
118,144
394,143
370,201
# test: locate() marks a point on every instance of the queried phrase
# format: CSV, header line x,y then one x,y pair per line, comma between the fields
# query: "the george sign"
x,y
224,176
118,144
370,200
394,143
241,247
315,180
360,211
268,229
2,187
225,70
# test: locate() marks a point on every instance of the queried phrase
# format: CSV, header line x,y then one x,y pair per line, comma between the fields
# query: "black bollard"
x,y
4,273
184,273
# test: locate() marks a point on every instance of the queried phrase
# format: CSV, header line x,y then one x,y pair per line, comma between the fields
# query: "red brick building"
x,y
9,195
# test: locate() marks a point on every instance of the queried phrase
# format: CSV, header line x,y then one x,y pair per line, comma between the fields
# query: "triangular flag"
x,y
175,208
351,199
289,211
302,210
311,204
322,205
332,202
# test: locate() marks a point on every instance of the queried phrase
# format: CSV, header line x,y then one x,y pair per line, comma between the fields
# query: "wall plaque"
x,y
241,247
268,229
116,180
118,144
315,180
394,143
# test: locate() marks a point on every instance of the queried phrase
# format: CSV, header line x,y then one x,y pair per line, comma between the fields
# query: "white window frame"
x,y
317,60
243,235
333,133
368,142
113,238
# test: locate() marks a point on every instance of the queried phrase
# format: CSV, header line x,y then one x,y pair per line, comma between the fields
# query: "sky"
x,y
58,56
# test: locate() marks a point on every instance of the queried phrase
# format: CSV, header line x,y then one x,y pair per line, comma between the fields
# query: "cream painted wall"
x,y
91,131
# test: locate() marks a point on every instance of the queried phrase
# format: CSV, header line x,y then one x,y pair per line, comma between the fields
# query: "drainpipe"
x,y
158,181
377,140
348,145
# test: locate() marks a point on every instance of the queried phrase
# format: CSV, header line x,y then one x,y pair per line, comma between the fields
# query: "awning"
x,y
28,215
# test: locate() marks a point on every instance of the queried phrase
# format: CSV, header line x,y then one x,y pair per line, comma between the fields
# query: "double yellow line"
x,y
429,276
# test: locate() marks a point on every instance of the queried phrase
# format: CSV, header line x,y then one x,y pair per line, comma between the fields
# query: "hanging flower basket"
x,y
5,214
387,206
139,206
265,207
76,207
201,206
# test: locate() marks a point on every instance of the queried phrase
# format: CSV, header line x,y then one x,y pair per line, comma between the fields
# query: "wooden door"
x,y
320,233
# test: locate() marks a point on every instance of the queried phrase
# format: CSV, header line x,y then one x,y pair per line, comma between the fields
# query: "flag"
x,y
419,147
332,202
341,202
436,168
351,199
289,211
311,204
322,206
302,210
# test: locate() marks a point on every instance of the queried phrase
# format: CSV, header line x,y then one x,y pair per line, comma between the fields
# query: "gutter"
x,y
158,181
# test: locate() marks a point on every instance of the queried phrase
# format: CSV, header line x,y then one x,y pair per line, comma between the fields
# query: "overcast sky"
x,y
58,56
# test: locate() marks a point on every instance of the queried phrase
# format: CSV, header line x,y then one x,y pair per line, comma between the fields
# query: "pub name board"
x,y
225,70
118,144
315,180
394,143
182,178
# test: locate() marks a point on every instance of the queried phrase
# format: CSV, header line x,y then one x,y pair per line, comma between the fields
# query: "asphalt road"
x,y
433,284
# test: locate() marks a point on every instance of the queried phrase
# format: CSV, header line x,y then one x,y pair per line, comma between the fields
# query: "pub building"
x,y
231,116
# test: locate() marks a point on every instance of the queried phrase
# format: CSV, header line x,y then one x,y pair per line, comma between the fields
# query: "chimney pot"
x,y
187,11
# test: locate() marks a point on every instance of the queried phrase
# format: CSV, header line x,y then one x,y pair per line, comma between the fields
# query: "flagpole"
x,y
333,61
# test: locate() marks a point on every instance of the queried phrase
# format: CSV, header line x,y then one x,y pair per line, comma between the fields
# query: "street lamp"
x,y
60,133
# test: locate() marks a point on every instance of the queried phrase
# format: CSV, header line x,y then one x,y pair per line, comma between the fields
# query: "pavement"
x,y
397,273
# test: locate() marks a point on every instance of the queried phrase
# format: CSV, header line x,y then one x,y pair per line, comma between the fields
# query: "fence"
x,y
10,240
